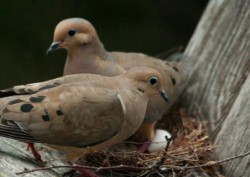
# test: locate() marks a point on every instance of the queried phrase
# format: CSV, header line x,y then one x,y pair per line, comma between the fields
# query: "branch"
x,y
82,166
210,163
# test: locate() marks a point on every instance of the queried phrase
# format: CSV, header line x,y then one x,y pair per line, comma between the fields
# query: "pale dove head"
x,y
149,80
72,32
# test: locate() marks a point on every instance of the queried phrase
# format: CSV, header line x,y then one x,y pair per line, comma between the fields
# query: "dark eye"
x,y
71,32
153,81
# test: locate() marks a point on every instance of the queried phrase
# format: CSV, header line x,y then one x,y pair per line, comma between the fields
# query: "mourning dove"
x,y
86,54
80,110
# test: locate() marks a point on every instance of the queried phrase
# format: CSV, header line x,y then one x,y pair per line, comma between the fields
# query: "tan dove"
x,y
80,110
86,54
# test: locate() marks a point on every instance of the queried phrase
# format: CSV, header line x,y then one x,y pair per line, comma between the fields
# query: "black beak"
x,y
54,46
164,95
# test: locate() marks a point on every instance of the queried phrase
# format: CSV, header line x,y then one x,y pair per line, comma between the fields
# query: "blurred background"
x,y
148,26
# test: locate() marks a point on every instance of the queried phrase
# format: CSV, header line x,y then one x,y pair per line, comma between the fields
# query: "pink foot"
x,y
86,173
30,146
143,148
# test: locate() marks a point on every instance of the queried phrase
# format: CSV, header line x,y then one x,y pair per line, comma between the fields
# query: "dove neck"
x,y
86,51
89,58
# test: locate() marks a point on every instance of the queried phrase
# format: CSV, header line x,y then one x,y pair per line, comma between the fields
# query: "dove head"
x,y
72,32
149,81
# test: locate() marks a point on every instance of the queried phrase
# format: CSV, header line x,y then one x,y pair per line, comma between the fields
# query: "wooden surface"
x,y
220,87
15,158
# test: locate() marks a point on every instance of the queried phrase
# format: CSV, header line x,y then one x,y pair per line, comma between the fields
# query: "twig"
x,y
211,163
164,156
83,166
158,173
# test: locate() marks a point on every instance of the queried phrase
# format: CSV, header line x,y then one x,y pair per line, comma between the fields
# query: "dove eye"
x,y
153,81
71,32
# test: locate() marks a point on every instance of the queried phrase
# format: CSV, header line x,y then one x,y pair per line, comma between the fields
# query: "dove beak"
x,y
53,47
164,95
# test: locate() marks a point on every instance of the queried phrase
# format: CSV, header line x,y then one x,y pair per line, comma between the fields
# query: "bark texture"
x,y
15,158
220,86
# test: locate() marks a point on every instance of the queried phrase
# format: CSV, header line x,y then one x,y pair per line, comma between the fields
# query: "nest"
x,y
183,158
188,153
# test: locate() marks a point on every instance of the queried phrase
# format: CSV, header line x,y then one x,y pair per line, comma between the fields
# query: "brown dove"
x,y
86,54
80,110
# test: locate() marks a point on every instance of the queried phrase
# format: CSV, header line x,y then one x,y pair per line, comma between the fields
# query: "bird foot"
x,y
83,172
143,148
37,156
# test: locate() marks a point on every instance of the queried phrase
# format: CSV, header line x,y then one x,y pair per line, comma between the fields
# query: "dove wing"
x,y
68,114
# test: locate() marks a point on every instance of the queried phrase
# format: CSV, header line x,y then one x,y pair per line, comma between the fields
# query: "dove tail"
x,y
11,130
183,64
185,69
171,54
7,92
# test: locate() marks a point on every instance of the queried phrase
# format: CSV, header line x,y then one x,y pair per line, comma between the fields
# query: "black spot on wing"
x,y
59,112
26,107
176,69
45,117
15,101
140,90
37,99
173,80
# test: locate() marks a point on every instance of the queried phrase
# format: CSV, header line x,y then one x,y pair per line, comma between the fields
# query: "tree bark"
x,y
220,86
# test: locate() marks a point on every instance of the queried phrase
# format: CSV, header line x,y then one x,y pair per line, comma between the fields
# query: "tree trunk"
x,y
220,86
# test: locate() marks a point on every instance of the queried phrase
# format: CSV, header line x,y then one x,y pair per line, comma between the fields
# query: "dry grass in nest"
x,y
177,160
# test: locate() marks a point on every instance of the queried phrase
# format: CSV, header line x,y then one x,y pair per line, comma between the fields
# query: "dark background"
x,y
148,26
